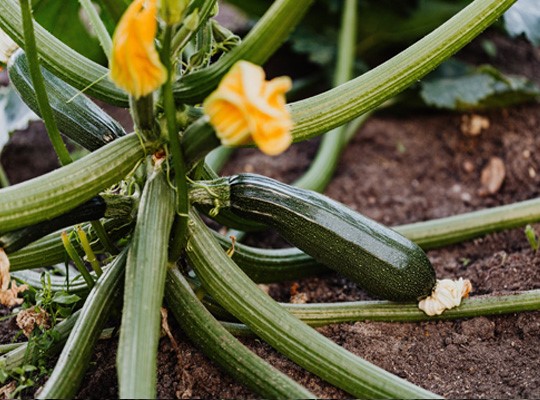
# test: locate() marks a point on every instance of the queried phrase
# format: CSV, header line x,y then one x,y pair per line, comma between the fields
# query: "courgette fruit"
x,y
77,116
97,207
381,261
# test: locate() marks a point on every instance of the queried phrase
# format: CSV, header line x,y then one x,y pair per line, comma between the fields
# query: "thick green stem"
x,y
179,165
39,86
239,295
223,348
61,190
99,27
68,372
333,108
142,111
320,172
146,270
458,228
318,314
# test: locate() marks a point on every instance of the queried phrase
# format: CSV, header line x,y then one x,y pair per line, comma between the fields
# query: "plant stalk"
x,y
146,270
220,346
334,107
69,370
240,296
39,85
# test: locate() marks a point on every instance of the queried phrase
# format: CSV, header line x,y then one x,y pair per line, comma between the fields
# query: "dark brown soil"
x,y
397,170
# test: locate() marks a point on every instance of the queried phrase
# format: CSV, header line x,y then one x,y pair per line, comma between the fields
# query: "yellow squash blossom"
x,y
135,63
246,107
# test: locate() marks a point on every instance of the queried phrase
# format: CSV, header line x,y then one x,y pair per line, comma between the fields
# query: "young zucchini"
x,y
77,116
109,206
384,263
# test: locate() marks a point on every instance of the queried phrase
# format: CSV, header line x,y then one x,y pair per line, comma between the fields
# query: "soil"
x,y
396,170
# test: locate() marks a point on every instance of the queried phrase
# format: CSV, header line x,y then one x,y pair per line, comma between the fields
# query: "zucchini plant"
x,y
191,85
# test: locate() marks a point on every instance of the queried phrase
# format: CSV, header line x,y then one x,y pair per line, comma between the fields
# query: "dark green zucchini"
x,y
77,116
381,261
97,207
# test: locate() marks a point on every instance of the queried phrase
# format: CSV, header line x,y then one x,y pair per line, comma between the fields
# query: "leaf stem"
x,y
305,346
220,346
179,165
146,270
39,86
334,107
99,27
320,172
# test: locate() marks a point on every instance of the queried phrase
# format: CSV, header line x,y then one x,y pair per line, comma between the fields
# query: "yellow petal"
x,y
245,107
135,64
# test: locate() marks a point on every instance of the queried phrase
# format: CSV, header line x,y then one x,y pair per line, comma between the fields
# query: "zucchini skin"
x,y
381,261
93,209
78,117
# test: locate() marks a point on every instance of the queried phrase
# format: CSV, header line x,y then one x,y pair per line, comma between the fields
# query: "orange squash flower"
x,y
135,64
245,107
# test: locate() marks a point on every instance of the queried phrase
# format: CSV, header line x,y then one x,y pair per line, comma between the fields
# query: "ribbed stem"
x,y
318,314
320,172
334,107
220,346
69,370
56,192
39,86
239,295
146,270
458,228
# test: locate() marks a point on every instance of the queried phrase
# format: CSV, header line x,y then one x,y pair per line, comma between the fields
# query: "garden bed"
x,y
396,170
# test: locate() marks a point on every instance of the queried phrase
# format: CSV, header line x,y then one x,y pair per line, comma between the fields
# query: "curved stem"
x,y
179,164
68,372
223,348
320,172
61,190
458,228
237,293
334,107
39,86
146,270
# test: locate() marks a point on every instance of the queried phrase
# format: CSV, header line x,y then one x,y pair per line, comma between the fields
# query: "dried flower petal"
x,y
447,294
246,107
8,295
7,47
135,63
30,318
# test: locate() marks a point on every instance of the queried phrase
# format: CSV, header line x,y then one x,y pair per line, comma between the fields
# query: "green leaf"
x,y
524,18
3,376
466,88
63,19
65,298
14,114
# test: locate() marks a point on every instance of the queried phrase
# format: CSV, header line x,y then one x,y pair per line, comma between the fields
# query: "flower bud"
x,y
135,64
